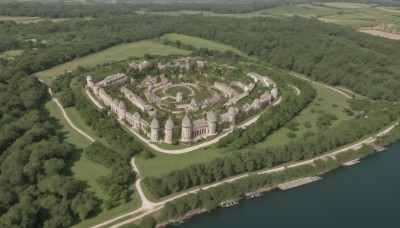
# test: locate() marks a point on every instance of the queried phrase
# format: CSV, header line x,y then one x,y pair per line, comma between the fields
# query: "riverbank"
x,y
320,167
364,195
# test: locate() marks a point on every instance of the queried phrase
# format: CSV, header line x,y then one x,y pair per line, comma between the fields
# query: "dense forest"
x,y
330,53
34,188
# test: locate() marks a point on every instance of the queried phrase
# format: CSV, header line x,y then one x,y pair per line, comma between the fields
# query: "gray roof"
x,y
169,124
155,124
186,121
232,110
211,116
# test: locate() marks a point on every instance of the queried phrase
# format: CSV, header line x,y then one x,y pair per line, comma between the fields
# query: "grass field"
x,y
83,169
10,53
116,53
351,14
202,43
28,20
327,100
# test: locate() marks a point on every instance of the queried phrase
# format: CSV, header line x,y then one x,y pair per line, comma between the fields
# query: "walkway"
x,y
153,207
297,89
330,87
55,100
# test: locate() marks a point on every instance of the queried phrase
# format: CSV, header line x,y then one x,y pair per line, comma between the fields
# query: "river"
x,y
363,195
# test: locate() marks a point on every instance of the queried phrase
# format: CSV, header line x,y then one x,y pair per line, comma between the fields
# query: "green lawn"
x,y
10,53
28,20
116,53
202,43
326,100
172,91
85,170
351,14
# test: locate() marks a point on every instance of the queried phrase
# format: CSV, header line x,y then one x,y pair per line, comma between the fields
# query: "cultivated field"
x,y
116,53
351,14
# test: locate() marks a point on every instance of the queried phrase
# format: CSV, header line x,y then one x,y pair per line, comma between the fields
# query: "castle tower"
x,y
179,97
136,121
232,116
89,82
212,122
169,131
96,91
121,110
186,129
155,127
274,92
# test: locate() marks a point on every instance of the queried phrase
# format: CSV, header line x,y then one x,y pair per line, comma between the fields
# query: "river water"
x,y
364,195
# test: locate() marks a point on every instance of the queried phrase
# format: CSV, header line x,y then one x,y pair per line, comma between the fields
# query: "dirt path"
x,y
84,134
152,207
297,89
387,35
330,87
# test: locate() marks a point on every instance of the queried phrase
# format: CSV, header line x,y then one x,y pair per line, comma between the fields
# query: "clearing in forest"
x,y
202,43
117,53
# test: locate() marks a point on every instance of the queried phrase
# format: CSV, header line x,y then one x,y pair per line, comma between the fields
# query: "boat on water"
x,y
180,221
253,195
230,203
380,149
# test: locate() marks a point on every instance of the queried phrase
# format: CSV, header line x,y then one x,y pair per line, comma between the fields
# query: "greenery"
x,y
211,198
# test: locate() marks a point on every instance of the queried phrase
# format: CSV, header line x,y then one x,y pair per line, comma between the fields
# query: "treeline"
x,y
57,10
211,198
35,188
303,148
326,52
116,184
215,7
108,128
274,118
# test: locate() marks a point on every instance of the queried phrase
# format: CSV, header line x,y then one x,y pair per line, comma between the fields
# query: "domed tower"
x,y
274,92
89,81
155,127
232,116
212,122
186,129
96,91
121,110
136,121
169,131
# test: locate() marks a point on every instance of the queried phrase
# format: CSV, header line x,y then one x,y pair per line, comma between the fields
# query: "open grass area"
x,y
82,169
12,53
202,43
172,91
28,20
116,53
351,14
327,100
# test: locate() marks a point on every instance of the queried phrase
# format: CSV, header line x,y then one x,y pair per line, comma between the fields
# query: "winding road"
x,y
148,207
